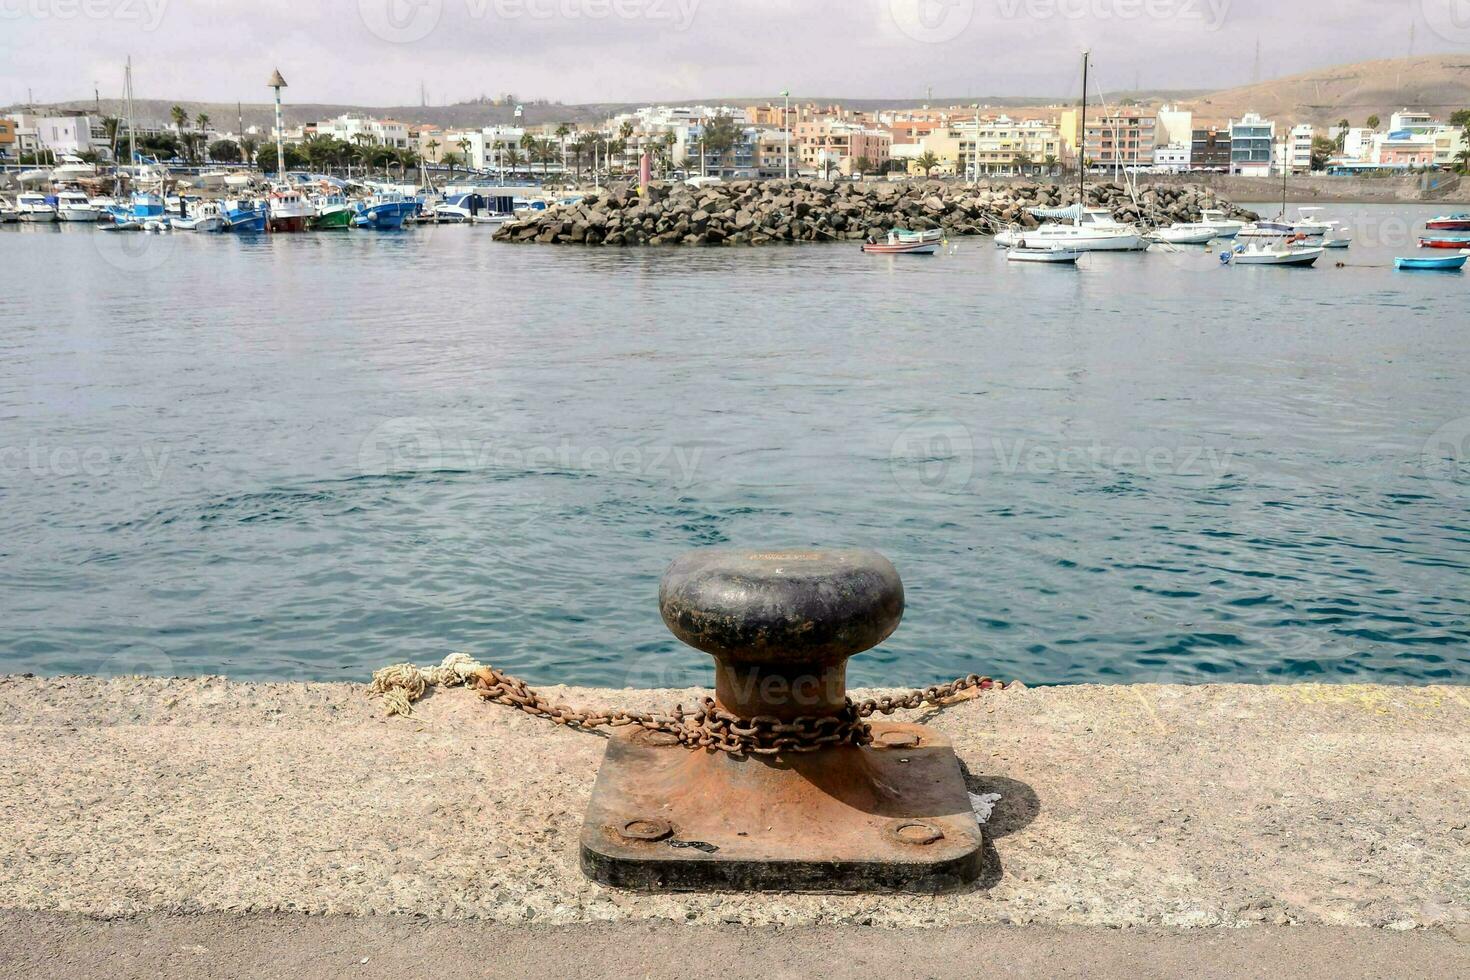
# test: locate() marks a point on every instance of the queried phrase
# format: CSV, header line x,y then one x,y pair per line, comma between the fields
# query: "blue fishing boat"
x,y
1446,263
385,211
245,217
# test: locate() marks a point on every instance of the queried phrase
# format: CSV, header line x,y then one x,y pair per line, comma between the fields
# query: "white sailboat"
x,y
1091,229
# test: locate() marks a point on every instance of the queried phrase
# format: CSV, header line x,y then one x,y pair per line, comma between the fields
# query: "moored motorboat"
x,y
244,216
1443,263
385,211
1254,254
891,247
205,216
8,213
72,205
1223,225
1449,222
289,210
333,211
911,237
1093,230
35,207
1184,233
1445,241
1053,253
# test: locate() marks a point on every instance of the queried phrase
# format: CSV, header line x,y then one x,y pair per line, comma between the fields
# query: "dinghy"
x,y
1271,255
1446,263
1054,253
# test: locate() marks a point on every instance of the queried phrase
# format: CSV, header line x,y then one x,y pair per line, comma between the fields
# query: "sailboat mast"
x,y
132,134
1082,147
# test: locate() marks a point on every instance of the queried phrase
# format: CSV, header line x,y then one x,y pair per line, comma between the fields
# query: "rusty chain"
x,y
710,727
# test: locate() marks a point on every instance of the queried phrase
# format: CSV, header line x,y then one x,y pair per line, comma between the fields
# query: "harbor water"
x,y
306,456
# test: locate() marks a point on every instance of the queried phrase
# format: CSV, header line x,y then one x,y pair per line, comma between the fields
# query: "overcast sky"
x,y
376,52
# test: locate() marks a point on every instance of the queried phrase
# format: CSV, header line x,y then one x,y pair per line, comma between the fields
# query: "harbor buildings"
x,y
1121,140
1251,142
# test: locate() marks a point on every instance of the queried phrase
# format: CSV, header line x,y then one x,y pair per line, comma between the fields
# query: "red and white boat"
x,y
1445,241
1449,222
290,211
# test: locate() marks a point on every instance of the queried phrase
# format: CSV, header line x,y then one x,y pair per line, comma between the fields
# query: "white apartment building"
x,y
349,126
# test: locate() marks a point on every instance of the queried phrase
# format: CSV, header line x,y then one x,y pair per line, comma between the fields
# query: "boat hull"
x,y
1457,241
1082,242
332,220
1296,258
288,223
1448,224
38,217
385,217
246,223
902,248
209,223
77,214
1445,263
1043,255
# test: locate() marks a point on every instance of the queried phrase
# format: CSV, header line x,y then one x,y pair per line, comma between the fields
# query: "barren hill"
x,y
1436,83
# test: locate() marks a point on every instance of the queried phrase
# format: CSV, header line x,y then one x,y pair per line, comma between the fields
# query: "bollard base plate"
x,y
894,816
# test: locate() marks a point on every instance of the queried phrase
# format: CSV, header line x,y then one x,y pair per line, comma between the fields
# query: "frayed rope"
x,y
402,684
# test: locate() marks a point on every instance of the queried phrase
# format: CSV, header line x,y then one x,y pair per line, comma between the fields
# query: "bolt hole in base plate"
x,y
893,816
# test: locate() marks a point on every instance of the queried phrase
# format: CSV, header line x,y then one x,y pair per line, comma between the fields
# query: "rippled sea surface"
x,y
308,456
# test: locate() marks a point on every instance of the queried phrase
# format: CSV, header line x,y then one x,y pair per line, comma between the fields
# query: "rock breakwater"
x,y
748,212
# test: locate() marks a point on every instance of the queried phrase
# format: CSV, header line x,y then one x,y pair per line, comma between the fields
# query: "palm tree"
x,y
1342,127
927,161
512,158
110,126
433,147
1051,163
1021,161
862,165
179,116
202,121
562,132
451,158
464,145
1372,122
248,146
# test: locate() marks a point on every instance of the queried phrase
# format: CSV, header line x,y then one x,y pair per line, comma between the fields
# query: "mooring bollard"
x,y
816,799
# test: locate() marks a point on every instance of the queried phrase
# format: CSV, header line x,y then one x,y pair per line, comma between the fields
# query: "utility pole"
x,y
786,125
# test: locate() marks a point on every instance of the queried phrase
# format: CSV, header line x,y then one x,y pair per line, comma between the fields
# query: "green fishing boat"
x,y
332,212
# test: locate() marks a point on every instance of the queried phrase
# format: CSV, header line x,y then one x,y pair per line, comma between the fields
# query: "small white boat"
x,y
1094,230
75,206
894,246
1181,233
35,208
1336,237
1053,253
1223,225
8,213
73,168
1254,254
205,216
910,237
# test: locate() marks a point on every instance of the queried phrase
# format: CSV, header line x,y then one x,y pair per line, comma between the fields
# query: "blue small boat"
x,y
385,211
245,217
1447,263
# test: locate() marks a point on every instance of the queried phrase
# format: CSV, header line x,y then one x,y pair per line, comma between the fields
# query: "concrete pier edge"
x,y
143,803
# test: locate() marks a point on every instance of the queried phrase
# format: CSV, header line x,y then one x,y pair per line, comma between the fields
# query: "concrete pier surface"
x,y
1329,817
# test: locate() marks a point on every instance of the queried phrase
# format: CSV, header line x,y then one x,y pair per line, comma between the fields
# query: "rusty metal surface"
x,y
891,816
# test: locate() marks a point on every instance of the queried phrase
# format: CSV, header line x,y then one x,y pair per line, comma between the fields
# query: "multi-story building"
x,y
349,126
1120,139
1294,150
1448,142
1175,126
1172,159
1404,149
826,145
9,144
772,149
738,162
1251,141
1209,149
1007,146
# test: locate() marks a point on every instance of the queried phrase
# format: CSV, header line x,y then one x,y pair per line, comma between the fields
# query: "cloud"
x,y
633,50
